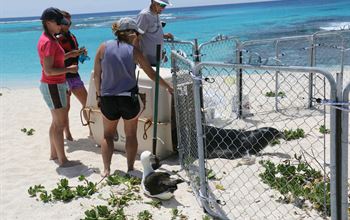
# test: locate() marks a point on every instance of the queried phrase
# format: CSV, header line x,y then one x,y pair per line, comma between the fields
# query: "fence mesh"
x,y
221,49
231,144
182,47
185,116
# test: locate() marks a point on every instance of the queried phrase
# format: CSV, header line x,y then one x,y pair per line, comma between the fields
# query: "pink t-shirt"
x,y
50,47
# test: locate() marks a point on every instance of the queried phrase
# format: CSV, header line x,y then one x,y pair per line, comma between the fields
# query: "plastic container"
x,y
145,125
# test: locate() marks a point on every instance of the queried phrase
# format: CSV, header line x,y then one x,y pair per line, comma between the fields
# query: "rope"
x,y
146,126
88,116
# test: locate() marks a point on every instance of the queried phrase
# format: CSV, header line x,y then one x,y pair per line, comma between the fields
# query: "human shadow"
x,y
171,203
82,144
133,173
76,171
276,154
171,160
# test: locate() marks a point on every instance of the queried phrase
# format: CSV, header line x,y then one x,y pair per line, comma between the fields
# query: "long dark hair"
x,y
66,14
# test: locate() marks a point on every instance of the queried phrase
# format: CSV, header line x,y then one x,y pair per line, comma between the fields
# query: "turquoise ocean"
x,y
20,67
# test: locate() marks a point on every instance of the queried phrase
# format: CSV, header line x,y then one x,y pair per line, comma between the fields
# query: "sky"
x,y
28,8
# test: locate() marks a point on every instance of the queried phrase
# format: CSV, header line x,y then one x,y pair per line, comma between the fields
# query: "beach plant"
x,y
144,215
33,190
297,183
206,217
273,94
64,192
117,179
324,130
210,174
219,187
122,200
275,142
102,212
45,197
89,189
155,203
293,134
29,132
177,214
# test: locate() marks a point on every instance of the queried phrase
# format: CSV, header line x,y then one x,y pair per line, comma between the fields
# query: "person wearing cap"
x,y
148,20
53,81
69,43
117,89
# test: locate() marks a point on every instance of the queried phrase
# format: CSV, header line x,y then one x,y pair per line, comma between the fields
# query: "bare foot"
x,y
69,137
106,173
53,157
68,134
70,163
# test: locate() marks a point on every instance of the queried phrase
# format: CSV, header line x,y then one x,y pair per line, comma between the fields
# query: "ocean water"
x,y
20,67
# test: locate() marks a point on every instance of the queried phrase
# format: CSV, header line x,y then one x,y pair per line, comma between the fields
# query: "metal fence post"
x,y
239,83
345,158
311,75
336,160
277,80
200,136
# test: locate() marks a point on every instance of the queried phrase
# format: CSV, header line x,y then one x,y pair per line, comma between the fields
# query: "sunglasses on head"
x,y
129,31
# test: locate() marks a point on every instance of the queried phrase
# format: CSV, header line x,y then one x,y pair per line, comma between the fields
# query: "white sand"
x,y
25,162
24,159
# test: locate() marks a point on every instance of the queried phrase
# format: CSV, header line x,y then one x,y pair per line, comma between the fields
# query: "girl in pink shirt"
x,y
53,81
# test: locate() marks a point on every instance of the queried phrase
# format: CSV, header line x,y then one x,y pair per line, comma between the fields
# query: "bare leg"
x,y
53,153
131,144
81,95
59,122
107,145
66,129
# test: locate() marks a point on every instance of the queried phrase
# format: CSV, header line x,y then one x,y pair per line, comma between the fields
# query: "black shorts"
x,y
114,107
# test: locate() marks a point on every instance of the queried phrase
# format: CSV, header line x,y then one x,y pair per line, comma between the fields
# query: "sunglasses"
x,y
129,31
69,24
162,5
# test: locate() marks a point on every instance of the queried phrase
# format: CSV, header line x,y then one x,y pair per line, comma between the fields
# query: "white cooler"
x,y
145,124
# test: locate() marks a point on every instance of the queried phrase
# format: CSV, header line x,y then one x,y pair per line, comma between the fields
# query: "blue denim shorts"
x,y
55,95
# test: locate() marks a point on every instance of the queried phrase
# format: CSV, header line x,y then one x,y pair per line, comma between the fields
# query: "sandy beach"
x,y
25,162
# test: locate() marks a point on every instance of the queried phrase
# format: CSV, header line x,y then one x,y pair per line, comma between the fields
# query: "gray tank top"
x,y
118,68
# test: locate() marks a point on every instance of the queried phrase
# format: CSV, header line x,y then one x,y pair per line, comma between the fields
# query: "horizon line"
x,y
105,12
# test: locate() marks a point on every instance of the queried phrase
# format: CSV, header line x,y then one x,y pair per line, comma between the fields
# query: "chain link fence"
x,y
255,139
185,48
185,118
